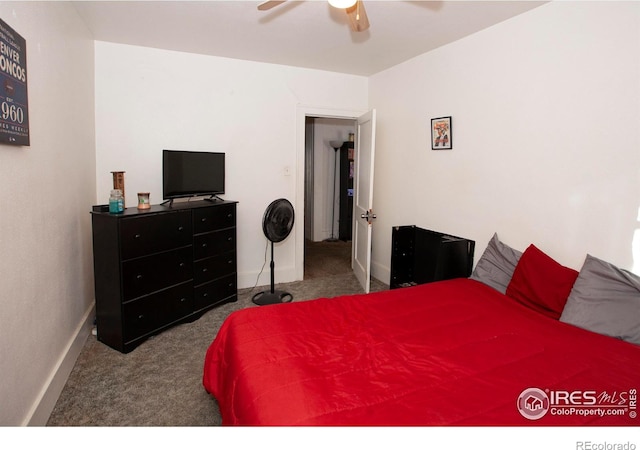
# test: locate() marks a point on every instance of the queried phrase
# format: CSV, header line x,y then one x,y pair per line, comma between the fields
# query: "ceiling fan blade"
x,y
264,6
358,17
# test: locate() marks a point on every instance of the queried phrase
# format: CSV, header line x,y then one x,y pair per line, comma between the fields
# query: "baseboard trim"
x,y
46,401
281,275
380,272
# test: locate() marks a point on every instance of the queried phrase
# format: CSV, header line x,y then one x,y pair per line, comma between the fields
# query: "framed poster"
x,y
14,105
441,137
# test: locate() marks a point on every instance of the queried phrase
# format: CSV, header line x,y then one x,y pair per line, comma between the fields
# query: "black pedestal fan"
x,y
277,223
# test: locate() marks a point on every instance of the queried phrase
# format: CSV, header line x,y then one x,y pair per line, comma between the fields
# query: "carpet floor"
x,y
160,382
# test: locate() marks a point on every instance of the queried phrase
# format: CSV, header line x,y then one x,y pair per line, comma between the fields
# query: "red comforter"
x,y
448,353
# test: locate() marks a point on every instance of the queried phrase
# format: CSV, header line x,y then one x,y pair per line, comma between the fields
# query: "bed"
x,y
467,351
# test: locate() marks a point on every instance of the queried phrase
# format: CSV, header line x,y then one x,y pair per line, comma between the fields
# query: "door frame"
x,y
302,112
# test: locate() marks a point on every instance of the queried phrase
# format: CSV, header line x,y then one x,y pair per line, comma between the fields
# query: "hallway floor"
x,y
326,258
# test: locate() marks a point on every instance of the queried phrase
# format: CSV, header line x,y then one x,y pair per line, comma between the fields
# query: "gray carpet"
x,y
160,382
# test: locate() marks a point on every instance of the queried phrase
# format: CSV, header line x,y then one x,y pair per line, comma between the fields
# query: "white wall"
x,y
148,100
325,131
546,145
545,113
45,228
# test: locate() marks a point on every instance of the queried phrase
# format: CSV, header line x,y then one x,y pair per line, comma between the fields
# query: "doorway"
x,y
326,251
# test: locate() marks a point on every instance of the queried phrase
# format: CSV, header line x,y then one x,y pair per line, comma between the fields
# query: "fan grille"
x,y
278,220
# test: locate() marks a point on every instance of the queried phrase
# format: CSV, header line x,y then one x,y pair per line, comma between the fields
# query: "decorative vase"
x,y
118,182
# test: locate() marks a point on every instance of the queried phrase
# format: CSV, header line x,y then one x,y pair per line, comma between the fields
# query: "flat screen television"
x,y
189,173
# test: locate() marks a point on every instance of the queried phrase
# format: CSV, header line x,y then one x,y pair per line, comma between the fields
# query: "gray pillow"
x,y
605,300
496,265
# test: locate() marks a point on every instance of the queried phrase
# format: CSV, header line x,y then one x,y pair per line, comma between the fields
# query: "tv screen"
x,y
186,173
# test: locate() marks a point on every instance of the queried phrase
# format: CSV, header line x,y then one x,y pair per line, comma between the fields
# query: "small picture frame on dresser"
x,y
441,134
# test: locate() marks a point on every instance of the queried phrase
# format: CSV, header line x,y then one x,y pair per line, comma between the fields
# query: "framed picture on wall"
x,y
441,137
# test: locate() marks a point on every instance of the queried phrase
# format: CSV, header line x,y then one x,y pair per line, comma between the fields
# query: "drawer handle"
x,y
204,245
206,294
204,219
230,261
230,284
180,228
181,264
139,277
182,300
229,239
141,316
204,270
229,216
137,236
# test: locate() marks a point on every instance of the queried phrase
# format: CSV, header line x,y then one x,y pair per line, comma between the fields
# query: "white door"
x,y
363,198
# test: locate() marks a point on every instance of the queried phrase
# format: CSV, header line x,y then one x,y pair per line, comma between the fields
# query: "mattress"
x,y
454,352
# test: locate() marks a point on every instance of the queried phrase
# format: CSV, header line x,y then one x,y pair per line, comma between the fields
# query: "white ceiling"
x,y
308,34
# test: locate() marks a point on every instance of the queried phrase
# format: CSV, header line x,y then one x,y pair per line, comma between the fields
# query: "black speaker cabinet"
x,y
421,256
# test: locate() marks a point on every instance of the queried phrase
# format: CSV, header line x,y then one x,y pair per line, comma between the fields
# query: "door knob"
x,y
368,216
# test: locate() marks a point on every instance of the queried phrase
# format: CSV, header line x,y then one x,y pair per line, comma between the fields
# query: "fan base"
x,y
270,298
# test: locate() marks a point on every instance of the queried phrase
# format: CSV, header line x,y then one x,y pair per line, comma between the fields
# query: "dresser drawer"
x,y
214,218
141,236
215,292
215,267
214,243
144,275
152,312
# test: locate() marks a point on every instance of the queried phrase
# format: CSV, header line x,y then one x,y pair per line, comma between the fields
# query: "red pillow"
x,y
541,283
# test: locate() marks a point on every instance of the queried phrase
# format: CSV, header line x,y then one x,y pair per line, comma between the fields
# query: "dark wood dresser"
x,y
161,266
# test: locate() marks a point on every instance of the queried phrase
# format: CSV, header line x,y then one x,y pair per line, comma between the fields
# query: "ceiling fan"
x,y
356,13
